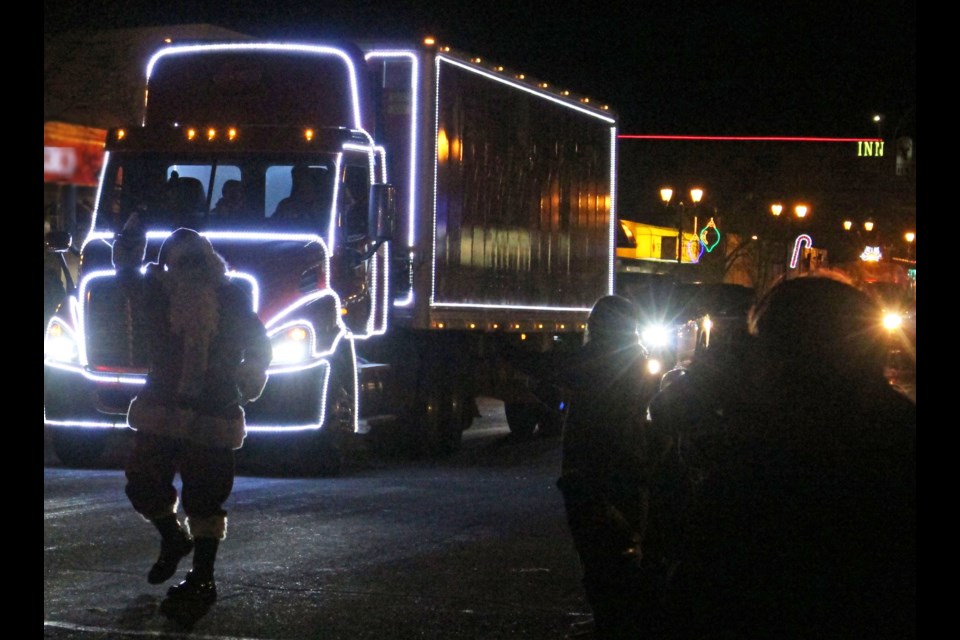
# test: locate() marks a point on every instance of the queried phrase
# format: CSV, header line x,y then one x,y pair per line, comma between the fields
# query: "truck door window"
x,y
299,195
354,197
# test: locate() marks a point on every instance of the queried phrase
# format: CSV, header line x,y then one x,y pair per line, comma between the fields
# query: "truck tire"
x,y
323,454
522,417
79,447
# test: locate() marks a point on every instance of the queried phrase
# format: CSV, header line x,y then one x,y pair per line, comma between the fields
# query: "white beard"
x,y
194,315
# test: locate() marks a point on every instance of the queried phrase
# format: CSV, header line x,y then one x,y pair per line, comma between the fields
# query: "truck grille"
x,y
114,334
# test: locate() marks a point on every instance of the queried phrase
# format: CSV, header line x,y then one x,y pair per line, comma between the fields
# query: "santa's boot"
x,y
175,543
199,584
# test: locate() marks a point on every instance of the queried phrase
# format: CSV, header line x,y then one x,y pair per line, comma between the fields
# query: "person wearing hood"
x,y
604,464
208,356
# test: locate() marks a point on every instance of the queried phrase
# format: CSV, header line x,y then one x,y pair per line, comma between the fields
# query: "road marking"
x,y
142,633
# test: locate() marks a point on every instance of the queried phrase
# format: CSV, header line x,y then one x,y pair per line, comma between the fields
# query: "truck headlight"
x,y
655,336
60,343
292,344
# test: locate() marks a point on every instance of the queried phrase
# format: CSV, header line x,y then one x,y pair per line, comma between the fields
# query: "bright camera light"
x,y
654,336
892,320
654,366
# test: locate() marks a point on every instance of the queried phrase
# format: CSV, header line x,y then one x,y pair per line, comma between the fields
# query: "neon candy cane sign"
x,y
798,246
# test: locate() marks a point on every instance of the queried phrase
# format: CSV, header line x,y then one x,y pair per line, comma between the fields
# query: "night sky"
x,y
750,68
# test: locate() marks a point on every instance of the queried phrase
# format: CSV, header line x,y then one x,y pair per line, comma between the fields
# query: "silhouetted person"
x,y
603,467
798,519
307,199
184,202
230,204
208,355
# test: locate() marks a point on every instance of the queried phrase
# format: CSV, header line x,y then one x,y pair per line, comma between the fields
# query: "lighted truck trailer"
x,y
465,210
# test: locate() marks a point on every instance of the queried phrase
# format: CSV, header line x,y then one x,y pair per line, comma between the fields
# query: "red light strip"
x,y
630,136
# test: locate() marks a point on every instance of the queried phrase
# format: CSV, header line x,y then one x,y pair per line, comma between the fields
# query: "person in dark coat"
x,y
801,520
208,354
603,468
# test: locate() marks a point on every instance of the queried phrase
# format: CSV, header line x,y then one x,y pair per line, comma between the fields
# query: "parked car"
x,y
677,319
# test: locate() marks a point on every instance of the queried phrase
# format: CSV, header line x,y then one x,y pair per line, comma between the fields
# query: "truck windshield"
x,y
242,192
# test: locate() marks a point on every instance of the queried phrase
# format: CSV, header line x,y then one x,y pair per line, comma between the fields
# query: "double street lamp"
x,y
800,211
696,195
871,250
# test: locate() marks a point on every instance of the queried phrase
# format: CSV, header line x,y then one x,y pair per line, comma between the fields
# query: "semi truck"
x,y
453,216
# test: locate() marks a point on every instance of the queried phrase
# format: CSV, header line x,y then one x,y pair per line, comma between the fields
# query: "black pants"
x,y
608,548
206,474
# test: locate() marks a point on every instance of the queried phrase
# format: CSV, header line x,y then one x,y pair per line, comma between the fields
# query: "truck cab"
x,y
306,237
399,214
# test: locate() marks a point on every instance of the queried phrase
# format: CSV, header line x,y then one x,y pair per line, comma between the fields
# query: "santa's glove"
x,y
250,381
130,244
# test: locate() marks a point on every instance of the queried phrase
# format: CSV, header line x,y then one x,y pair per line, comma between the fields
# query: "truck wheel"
x,y
522,417
323,455
79,447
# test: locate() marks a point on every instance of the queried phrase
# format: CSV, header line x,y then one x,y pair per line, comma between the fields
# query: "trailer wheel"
x,y
79,447
446,413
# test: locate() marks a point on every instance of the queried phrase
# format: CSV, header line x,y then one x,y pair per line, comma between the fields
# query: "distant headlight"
x,y
892,320
59,343
655,336
292,344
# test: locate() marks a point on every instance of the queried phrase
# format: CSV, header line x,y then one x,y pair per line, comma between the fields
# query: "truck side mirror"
x,y
58,241
382,214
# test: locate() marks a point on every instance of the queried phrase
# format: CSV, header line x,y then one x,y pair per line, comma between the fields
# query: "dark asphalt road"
x,y
474,546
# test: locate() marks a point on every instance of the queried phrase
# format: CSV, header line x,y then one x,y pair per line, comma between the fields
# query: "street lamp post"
x,y
910,237
864,237
696,195
800,211
666,194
